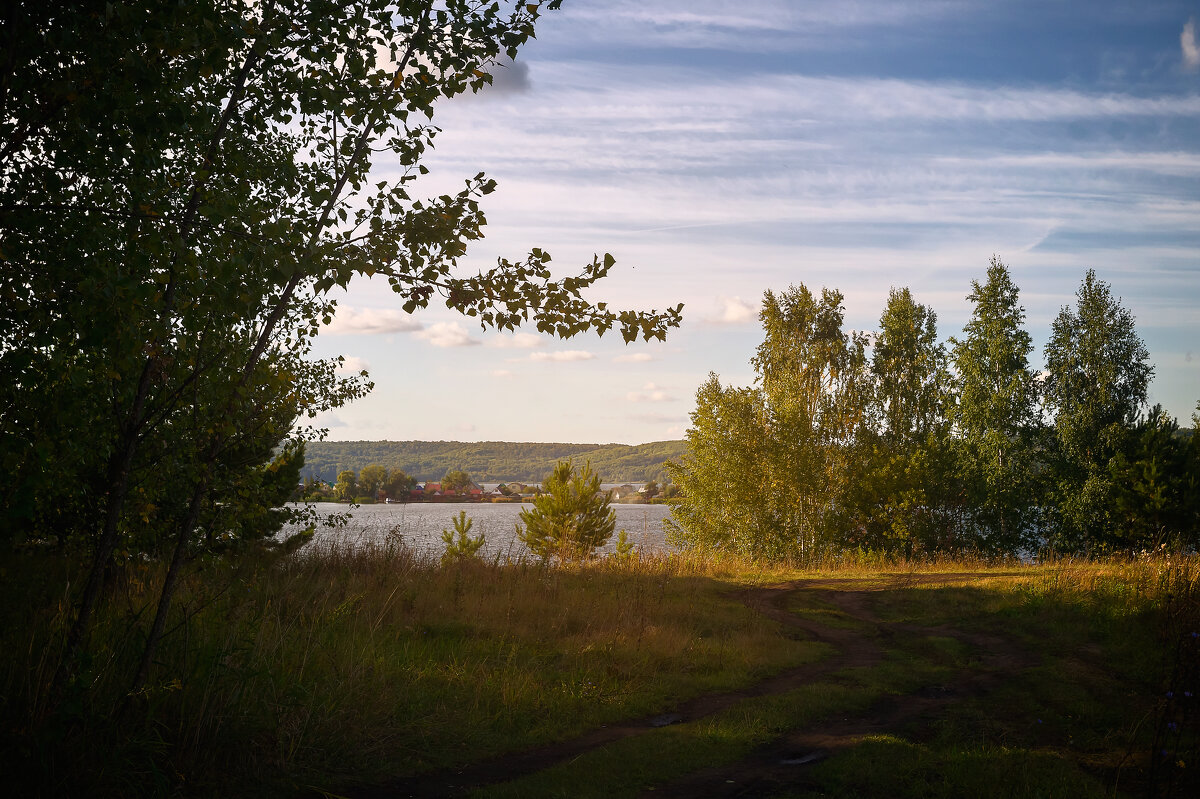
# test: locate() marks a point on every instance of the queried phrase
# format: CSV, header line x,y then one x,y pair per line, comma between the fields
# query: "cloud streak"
x,y
733,311
1187,44
350,321
447,334
650,393
353,365
562,356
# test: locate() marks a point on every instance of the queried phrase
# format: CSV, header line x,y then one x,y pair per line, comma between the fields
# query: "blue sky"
x,y
720,149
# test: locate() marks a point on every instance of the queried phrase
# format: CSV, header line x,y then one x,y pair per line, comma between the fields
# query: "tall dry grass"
x,y
346,664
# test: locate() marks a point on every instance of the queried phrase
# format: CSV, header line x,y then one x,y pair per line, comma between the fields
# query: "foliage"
x,y
1097,376
491,461
996,416
456,480
571,519
181,187
828,453
906,498
766,469
624,548
459,545
1156,487
398,485
371,479
346,487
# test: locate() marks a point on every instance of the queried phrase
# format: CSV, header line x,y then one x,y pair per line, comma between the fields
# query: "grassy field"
x,y
375,673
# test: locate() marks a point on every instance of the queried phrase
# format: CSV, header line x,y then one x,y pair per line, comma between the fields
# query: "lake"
x,y
419,525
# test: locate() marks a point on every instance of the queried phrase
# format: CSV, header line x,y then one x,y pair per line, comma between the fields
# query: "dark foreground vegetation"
x,y
348,672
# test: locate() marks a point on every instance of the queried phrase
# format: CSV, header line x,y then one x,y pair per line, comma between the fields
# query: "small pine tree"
x,y
571,519
625,548
459,545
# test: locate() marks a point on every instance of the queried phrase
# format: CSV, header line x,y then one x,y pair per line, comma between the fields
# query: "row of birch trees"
x,y
895,442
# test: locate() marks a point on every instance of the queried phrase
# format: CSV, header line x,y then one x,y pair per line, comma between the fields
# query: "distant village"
x,y
377,486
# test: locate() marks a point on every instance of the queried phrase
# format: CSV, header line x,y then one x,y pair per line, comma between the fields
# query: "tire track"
x,y
853,648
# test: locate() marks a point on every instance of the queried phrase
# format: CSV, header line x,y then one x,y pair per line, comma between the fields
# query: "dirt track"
x,y
783,762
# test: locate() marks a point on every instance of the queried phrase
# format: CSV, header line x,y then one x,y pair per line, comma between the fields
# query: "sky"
x,y
720,149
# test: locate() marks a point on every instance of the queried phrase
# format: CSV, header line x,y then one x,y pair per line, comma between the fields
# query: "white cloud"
x,y
634,357
447,334
562,356
522,341
328,420
733,311
1187,42
371,321
501,373
353,365
650,393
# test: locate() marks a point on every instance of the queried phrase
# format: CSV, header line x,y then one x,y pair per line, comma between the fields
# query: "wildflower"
x,y
1172,726
1170,694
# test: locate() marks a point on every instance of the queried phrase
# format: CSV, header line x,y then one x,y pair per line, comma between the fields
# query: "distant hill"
x,y
491,461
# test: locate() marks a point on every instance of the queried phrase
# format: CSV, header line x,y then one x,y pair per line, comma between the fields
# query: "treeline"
x,y
490,461
895,442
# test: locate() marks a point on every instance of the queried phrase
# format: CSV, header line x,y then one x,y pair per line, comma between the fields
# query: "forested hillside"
x,y
490,461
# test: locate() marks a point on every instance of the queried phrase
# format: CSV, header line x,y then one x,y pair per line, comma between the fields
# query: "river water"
x,y
419,525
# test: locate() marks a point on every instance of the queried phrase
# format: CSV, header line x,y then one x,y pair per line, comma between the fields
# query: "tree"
x,y
1097,376
399,485
908,497
650,490
767,467
571,519
1156,500
181,185
459,544
997,414
456,480
371,479
346,487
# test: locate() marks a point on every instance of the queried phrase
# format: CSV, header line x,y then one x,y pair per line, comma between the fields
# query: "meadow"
x,y
375,672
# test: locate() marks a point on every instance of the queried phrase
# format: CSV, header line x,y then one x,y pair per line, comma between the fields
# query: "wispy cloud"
x,y
521,341
501,373
371,321
562,356
650,392
1187,43
353,365
634,357
447,334
732,311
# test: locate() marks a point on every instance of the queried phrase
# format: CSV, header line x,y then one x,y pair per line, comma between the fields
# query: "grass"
x,y
348,667
353,667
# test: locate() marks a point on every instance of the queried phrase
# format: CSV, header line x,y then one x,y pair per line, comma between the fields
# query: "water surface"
x,y
419,525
